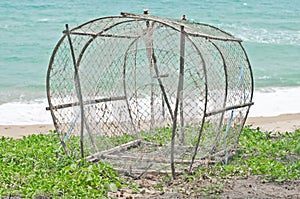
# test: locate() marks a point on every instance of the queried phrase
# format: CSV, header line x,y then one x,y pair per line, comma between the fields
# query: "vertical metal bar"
x,y
179,93
182,57
78,90
81,54
149,53
125,85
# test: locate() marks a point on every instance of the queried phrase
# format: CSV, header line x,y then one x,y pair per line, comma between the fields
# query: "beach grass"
x,y
36,166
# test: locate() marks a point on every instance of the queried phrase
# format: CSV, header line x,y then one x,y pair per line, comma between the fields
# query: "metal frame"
x,y
187,33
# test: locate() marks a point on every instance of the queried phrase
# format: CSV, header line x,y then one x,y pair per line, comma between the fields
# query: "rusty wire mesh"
x,y
149,94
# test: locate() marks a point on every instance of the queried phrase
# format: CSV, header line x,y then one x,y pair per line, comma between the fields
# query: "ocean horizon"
x,y
30,29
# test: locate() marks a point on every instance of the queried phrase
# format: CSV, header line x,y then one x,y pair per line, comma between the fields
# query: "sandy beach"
x,y
281,123
17,131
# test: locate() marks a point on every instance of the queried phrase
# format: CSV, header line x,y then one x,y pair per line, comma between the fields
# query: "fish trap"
x,y
149,94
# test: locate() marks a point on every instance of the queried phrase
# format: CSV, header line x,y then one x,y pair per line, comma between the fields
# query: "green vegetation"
x,y
272,157
32,167
37,166
162,135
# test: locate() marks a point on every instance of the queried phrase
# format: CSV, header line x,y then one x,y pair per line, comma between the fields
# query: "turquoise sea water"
x,y
30,29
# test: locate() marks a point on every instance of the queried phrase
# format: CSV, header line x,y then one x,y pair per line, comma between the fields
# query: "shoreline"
x,y
268,102
281,123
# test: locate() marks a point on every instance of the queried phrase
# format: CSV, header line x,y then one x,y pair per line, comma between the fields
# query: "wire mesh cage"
x,y
149,94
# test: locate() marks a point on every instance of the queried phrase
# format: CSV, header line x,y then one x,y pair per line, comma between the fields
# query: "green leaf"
x,y
111,187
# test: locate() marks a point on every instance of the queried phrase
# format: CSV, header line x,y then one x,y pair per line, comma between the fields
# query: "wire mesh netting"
x,y
149,94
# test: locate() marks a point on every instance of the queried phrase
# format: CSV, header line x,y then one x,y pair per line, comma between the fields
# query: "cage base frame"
x,y
209,159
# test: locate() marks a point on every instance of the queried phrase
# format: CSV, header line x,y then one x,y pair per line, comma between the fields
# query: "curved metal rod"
x,y
85,47
54,118
135,88
124,82
99,34
205,103
252,89
97,19
250,70
225,97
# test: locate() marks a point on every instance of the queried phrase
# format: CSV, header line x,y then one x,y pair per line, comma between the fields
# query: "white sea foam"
x,y
267,102
275,101
21,113
263,35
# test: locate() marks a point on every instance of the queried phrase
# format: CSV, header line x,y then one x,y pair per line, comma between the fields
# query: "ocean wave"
x,y
43,20
265,77
25,113
264,35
